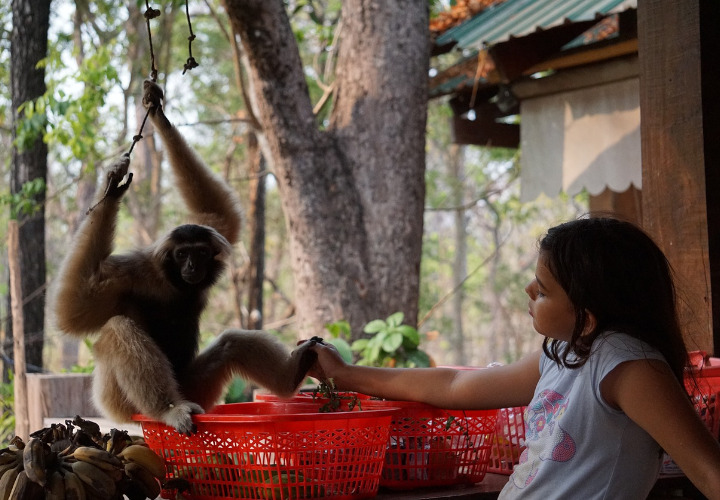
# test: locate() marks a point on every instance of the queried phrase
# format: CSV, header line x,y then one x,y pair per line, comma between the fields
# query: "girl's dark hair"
x,y
614,270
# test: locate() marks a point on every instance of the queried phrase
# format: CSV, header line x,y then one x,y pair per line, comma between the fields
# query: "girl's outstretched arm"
x,y
497,387
650,395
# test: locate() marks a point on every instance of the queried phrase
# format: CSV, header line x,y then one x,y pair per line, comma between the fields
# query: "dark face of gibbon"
x,y
191,261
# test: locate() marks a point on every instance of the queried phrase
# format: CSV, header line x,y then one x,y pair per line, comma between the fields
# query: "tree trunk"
x,y
457,177
256,225
29,45
353,195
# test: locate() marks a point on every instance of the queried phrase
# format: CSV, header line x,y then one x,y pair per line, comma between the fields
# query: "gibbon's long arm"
x,y
252,354
210,199
90,284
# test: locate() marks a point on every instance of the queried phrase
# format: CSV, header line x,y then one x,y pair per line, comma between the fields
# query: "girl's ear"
x,y
590,322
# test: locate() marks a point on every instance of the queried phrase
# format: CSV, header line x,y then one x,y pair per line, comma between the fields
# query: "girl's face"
x,y
551,310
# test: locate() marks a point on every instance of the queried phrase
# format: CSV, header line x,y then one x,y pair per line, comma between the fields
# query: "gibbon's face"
x,y
194,261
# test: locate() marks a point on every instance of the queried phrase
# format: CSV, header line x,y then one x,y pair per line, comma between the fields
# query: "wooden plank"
x,y
626,205
710,83
59,395
673,152
22,428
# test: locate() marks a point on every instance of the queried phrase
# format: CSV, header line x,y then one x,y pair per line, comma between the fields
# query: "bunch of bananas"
x,y
76,462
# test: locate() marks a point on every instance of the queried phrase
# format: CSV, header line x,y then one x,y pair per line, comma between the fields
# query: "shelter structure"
x,y
616,97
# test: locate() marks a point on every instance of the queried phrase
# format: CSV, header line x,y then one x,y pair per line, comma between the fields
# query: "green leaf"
x,y
375,326
409,332
343,348
392,342
359,345
339,328
374,354
449,422
396,319
418,358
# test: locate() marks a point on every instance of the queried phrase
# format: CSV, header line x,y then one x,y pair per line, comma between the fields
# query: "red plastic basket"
x,y
705,390
274,450
431,446
703,384
346,398
509,440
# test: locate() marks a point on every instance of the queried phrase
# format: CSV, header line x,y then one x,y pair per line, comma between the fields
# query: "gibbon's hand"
x,y
152,96
115,175
180,415
329,361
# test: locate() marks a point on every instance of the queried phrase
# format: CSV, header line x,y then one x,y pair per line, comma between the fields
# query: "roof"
x,y
515,18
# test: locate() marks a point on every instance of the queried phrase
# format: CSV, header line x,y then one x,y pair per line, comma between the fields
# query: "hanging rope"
x,y
149,14
191,63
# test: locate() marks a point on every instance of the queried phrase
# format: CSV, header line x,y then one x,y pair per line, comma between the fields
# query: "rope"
x,y
191,63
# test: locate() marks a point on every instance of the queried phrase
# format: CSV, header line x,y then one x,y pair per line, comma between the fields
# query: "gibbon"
x,y
146,304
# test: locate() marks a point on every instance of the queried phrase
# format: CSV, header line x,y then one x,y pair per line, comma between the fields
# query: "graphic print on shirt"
x,y
543,433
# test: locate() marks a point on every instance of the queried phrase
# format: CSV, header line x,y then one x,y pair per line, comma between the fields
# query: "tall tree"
x,y
352,193
30,20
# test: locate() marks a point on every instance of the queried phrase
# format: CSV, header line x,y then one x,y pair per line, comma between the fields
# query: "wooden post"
x,y
20,384
680,125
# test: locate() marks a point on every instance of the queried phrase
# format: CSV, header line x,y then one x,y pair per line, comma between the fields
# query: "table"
x,y
666,488
488,488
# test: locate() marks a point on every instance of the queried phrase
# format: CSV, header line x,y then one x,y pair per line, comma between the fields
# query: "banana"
x,y
94,479
16,444
144,456
8,480
143,477
8,467
8,457
26,489
55,487
74,487
101,458
34,461
117,441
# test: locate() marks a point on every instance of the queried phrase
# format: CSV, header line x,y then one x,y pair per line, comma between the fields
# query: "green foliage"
x,y
391,344
31,127
236,391
340,333
7,417
88,368
438,6
73,120
26,201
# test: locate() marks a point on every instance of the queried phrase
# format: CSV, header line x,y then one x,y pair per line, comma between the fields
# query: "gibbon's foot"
x,y
179,416
306,361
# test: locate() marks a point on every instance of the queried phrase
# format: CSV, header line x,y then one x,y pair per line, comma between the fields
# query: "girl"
x,y
604,394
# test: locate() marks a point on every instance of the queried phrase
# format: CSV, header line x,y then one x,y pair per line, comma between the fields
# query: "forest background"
x,y
478,240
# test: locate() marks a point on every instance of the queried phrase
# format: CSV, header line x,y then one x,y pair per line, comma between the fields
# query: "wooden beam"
x,y
485,133
586,56
579,78
677,42
516,55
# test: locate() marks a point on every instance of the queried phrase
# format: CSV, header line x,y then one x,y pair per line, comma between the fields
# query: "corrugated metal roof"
x,y
520,17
